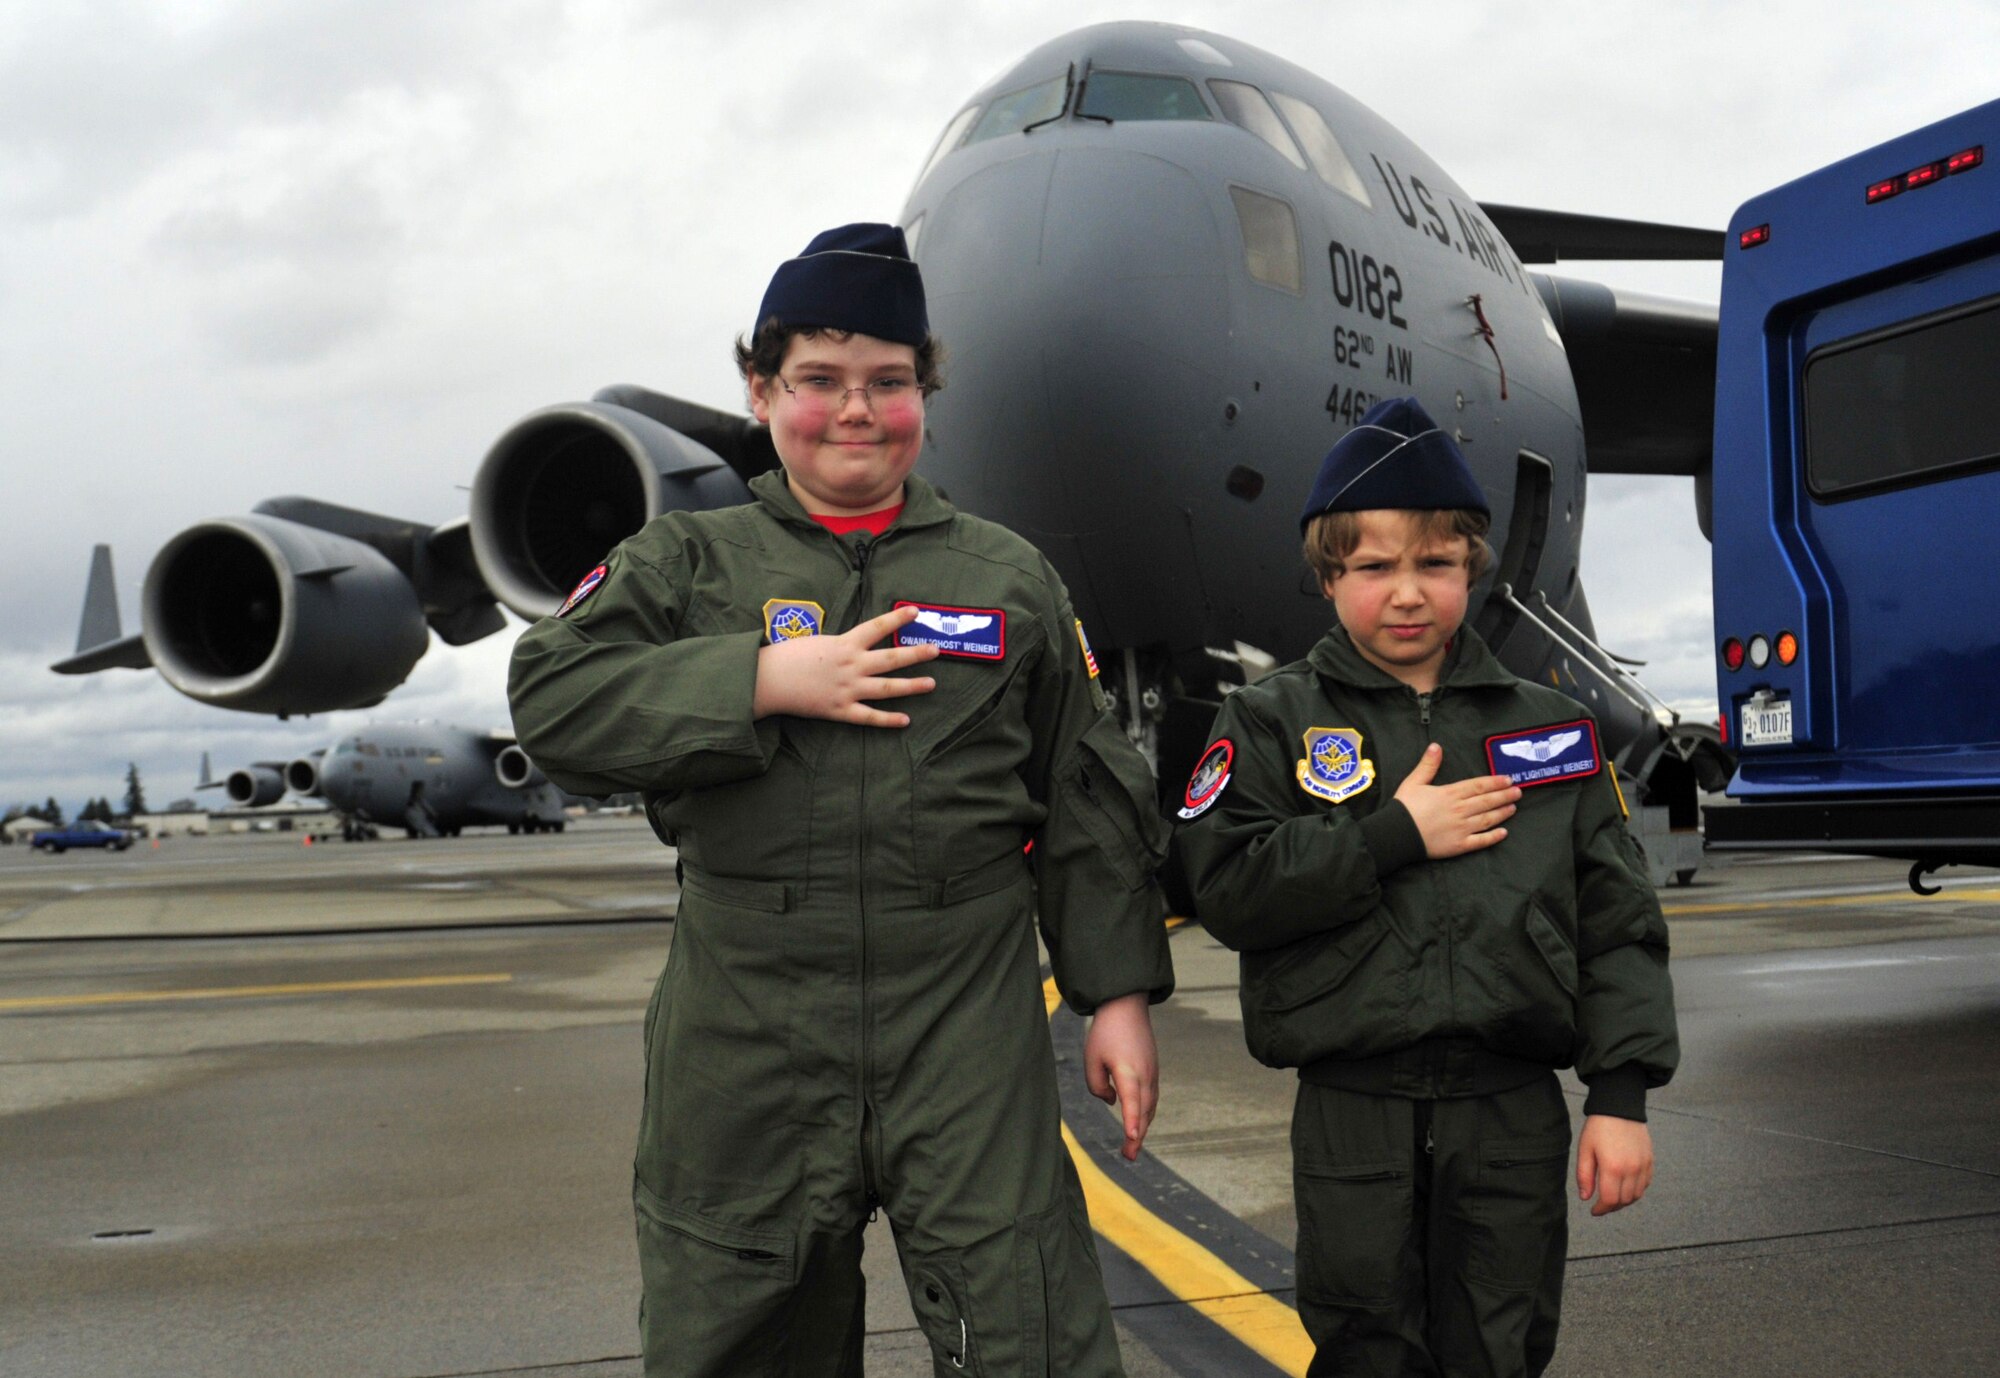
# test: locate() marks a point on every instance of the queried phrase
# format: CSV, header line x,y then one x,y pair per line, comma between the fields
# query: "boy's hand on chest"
x,y
837,677
1461,817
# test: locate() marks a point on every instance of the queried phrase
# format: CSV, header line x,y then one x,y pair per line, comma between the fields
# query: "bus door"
x,y
1898,453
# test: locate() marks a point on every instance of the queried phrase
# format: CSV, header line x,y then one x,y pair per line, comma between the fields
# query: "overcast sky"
x,y
336,247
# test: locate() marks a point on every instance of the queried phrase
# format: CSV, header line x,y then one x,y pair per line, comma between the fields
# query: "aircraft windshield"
x,y
1129,96
947,141
1328,159
1245,105
1012,113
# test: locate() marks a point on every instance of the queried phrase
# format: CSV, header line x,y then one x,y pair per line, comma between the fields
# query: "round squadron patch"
x,y
1334,768
788,619
585,587
1210,778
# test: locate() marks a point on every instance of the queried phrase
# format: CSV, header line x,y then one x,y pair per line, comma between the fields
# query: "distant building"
x,y
22,828
186,821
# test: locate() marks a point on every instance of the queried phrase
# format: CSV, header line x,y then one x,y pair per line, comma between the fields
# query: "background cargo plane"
x,y
1171,268
429,779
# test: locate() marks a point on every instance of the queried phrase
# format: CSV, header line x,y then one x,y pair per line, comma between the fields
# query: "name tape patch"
x,y
1334,768
788,619
1546,755
585,587
975,633
1210,778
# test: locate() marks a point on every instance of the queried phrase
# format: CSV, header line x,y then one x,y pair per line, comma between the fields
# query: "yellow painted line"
x,y
1185,1268
146,997
1827,901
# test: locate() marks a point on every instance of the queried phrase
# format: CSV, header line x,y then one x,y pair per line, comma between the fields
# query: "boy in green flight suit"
x,y
1424,863
850,1016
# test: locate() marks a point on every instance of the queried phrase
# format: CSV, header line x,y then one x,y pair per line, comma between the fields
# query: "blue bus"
x,y
1856,505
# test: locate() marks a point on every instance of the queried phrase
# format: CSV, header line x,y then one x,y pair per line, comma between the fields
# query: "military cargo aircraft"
x,y
1171,269
429,779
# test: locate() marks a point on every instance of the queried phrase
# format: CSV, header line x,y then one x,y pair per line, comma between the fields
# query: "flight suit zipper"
x,y
871,1124
1447,915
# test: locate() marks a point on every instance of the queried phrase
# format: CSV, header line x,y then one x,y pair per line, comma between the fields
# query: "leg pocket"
x,y
1354,1223
1065,1315
1519,1211
714,1295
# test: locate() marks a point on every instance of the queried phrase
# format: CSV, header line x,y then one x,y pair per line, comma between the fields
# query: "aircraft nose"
x,y
1083,294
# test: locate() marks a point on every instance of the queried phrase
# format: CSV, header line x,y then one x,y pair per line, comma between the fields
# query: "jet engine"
x,y
269,616
569,482
252,787
513,769
302,776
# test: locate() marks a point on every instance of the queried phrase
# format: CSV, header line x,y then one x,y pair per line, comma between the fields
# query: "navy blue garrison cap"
x,y
1397,457
858,277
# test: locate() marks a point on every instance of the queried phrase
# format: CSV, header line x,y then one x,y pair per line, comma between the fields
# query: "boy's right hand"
x,y
1456,818
834,677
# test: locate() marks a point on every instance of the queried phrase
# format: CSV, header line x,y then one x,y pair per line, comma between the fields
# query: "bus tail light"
x,y
1788,648
1732,653
1760,651
1961,162
1751,238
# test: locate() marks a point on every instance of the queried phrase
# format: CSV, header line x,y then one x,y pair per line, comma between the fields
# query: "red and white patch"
x,y
1210,778
1089,658
583,590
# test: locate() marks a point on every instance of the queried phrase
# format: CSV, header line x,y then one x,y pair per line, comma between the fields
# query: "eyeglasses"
x,y
824,393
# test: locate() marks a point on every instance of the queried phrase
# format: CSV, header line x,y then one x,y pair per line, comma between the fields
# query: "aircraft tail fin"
x,y
208,780
100,641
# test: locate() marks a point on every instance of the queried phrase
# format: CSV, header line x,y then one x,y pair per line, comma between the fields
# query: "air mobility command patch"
x,y
585,587
788,619
1546,755
1210,778
1089,660
1334,769
975,633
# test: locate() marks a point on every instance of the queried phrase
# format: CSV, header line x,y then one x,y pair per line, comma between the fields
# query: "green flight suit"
x,y
851,1013
1426,1003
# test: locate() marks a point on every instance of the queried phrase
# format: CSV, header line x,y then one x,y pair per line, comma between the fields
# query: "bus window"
x,y
1243,104
1130,96
1270,238
1911,406
1012,113
949,140
1328,159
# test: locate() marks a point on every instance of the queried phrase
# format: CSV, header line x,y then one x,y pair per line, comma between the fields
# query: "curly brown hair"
x,y
1331,537
763,353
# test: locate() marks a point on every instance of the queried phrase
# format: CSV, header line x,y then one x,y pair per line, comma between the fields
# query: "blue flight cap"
x,y
1397,457
858,277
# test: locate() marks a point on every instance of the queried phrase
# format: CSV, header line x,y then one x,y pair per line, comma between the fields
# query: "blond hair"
x,y
1331,537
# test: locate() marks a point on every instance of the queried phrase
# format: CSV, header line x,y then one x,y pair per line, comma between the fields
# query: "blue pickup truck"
x,y
89,833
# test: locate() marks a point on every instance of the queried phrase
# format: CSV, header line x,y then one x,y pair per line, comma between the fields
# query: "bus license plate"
x,y
1767,724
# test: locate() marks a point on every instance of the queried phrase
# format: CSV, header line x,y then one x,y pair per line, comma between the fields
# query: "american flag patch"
x,y
1089,660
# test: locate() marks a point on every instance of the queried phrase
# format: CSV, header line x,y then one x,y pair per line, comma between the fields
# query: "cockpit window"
x,y
947,141
1131,96
1270,238
1012,113
1323,151
1245,105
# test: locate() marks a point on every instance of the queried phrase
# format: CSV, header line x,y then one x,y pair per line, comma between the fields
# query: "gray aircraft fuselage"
x,y
1157,327
374,774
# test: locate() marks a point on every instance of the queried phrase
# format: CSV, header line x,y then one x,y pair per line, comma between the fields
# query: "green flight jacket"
x,y
1370,967
646,684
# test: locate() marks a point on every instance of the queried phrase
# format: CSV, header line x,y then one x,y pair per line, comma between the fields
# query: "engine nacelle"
x,y
513,769
569,482
252,787
268,616
302,776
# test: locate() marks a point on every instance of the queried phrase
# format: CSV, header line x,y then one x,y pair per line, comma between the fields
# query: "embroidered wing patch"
x,y
1334,768
1546,755
788,619
1210,778
975,633
585,587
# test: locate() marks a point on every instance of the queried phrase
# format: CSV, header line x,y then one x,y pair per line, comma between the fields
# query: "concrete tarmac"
x,y
369,1110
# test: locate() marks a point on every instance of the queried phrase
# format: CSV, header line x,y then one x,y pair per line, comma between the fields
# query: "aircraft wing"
x,y
1539,236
